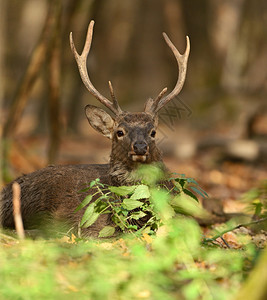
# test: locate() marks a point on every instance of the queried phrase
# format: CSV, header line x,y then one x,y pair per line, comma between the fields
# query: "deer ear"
x,y
100,120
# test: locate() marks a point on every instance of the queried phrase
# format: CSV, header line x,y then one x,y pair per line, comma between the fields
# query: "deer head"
x,y
132,134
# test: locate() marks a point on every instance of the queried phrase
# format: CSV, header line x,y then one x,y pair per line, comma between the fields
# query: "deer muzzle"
x,y
139,151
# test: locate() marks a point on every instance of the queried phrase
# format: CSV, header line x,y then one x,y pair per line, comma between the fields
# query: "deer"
x,y
52,193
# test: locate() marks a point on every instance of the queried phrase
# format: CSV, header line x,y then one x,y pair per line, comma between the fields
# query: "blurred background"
x,y
215,131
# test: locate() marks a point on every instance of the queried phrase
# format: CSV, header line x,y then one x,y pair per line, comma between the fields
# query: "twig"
x,y
227,245
16,211
219,235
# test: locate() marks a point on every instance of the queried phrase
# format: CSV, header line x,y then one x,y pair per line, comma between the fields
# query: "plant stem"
x,y
219,235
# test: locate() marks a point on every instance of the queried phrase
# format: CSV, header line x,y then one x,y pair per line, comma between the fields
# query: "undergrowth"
x,y
165,258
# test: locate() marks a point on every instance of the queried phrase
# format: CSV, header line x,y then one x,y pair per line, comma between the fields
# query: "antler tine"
x,y
182,65
81,62
160,95
115,102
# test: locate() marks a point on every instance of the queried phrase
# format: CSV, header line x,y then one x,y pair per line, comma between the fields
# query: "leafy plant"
x,y
142,207
189,186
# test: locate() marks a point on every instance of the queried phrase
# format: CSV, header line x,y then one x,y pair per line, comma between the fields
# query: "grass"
x,y
173,264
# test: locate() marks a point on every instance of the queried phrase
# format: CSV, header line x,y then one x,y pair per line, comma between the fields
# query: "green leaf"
x,y
88,213
199,191
131,204
124,212
132,227
86,201
191,180
190,194
106,231
184,203
84,190
92,183
138,215
96,182
92,220
122,190
181,181
141,192
180,175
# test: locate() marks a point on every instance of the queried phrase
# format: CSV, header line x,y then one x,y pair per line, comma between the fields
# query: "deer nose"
x,y
140,147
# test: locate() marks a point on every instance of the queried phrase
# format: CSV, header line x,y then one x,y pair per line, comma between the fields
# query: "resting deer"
x,y
54,191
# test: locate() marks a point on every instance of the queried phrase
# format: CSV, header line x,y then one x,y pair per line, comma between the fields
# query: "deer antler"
x,y
181,59
81,62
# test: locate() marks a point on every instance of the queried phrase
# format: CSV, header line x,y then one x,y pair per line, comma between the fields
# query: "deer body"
x,y
53,194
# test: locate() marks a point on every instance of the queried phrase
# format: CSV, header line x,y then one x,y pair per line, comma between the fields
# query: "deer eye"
x,y
120,133
153,133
